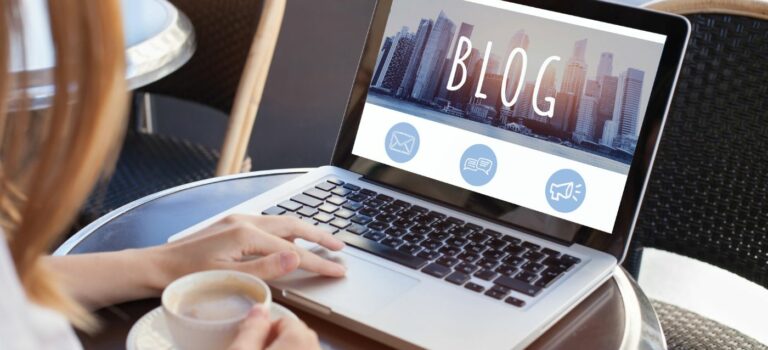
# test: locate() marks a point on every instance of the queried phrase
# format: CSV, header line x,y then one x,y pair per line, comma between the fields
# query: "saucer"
x,y
151,332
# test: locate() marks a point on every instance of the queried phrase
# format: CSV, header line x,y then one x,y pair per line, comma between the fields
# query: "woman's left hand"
x,y
259,245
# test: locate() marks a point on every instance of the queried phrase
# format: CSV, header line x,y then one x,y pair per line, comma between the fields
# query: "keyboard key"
x,y
475,248
421,229
290,205
558,263
507,270
374,203
469,256
447,261
336,200
443,226
551,252
450,251
534,256
478,237
357,229
368,192
307,200
325,186
494,254
533,267
474,287
460,231
548,278
492,233
403,223
514,250
426,220
497,243
420,209
386,217
496,294
392,242
274,211
456,242
307,211
375,235
432,244
437,215
511,240
473,227
352,206
455,221
368,211
466,268
335,181
409,214
413,238
357,197
458,278
410,249
340,223
439,235
385,198
381,250
352,187
324,218
487,263
316,193
531,246
436,270
428,254
378,226
395,232
486,274
341,192
345,213
361,219
570,259
514,261
402,203
518,285
526,277
391,208
514,301
328,208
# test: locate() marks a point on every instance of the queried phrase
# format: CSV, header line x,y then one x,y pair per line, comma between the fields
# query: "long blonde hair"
x,y
50,160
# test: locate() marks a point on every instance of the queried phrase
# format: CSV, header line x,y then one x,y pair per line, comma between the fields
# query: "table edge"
x,y
86,231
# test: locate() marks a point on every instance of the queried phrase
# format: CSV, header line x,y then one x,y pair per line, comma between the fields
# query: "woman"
x,y
50,161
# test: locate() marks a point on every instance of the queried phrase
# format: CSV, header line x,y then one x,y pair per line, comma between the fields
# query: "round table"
x,y
616,316
158,38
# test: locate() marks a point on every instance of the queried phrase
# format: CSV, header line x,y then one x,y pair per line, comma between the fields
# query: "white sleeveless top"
x,y
24,325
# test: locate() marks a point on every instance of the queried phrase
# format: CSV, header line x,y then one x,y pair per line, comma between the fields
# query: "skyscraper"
x,y
461,97
605,68
627,106
563,110
519,40
574,78
608,86
465,30
547,89
609,133
397,61
523,106
433,59
592,89
406,87
492,68
380,60
585,125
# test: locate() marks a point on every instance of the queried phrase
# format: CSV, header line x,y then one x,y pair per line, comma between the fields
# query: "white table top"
x,y
158,38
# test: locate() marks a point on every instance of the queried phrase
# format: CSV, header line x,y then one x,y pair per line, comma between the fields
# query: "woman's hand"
x,y
259,245
258,332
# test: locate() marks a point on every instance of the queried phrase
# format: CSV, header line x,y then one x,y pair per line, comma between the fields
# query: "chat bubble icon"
x,y
485,165
470,164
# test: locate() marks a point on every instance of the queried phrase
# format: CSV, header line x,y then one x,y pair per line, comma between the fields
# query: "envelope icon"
x,y
402,143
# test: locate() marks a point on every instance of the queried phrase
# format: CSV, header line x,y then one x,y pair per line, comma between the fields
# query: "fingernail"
x,y
287,260
342,269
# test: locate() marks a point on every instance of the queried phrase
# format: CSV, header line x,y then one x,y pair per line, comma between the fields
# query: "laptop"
x,y
489,169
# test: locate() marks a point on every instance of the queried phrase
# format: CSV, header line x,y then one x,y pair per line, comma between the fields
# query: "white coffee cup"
x,y
194,319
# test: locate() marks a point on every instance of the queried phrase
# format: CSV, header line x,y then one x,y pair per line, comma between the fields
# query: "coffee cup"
x,y
203,310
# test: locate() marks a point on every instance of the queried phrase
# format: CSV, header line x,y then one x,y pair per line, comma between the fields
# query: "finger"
x,y
263,243
272,266
291,228
293,334
253,331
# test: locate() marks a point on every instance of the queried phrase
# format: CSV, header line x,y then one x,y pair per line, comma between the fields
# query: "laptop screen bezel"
x,y
676,28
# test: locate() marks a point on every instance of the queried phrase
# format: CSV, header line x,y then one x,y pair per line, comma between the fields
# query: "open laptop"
x,y
489,169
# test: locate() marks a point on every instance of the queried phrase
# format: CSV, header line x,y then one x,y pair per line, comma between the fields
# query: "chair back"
x,y
708,193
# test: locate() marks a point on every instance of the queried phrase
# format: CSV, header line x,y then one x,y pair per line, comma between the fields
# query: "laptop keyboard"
x,y
458,252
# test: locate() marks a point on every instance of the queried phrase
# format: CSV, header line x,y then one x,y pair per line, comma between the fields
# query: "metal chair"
x,y
708,193
236,40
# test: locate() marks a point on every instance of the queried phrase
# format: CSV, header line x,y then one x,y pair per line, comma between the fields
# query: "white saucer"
x,y
151,333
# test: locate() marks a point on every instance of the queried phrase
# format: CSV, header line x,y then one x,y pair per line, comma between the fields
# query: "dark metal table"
x,y
616,316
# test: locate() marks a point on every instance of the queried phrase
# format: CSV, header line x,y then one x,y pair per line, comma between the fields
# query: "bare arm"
x,y
102,279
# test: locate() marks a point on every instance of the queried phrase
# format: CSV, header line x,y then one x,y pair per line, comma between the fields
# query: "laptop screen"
x,y
532,107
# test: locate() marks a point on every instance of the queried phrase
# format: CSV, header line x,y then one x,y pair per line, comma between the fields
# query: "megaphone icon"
x,y
562,191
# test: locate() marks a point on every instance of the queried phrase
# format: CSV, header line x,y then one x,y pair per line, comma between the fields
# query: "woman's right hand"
x,y
257,332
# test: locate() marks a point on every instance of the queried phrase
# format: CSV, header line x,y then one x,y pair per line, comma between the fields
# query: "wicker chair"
x,y
708,193
224,74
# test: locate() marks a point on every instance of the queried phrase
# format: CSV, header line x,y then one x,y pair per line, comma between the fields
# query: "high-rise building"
x,y
585,125
523,107
592,89
493,86
563,110
465,30
547,89
608,86
574,79
433,59
461,97
397,61
605,68
627,107
491,68
406,87
609,133
380,60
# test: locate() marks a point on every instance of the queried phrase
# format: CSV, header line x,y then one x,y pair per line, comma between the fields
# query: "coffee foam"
x,y
227,299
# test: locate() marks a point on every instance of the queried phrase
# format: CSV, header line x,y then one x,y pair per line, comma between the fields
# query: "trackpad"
x,y
366,288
